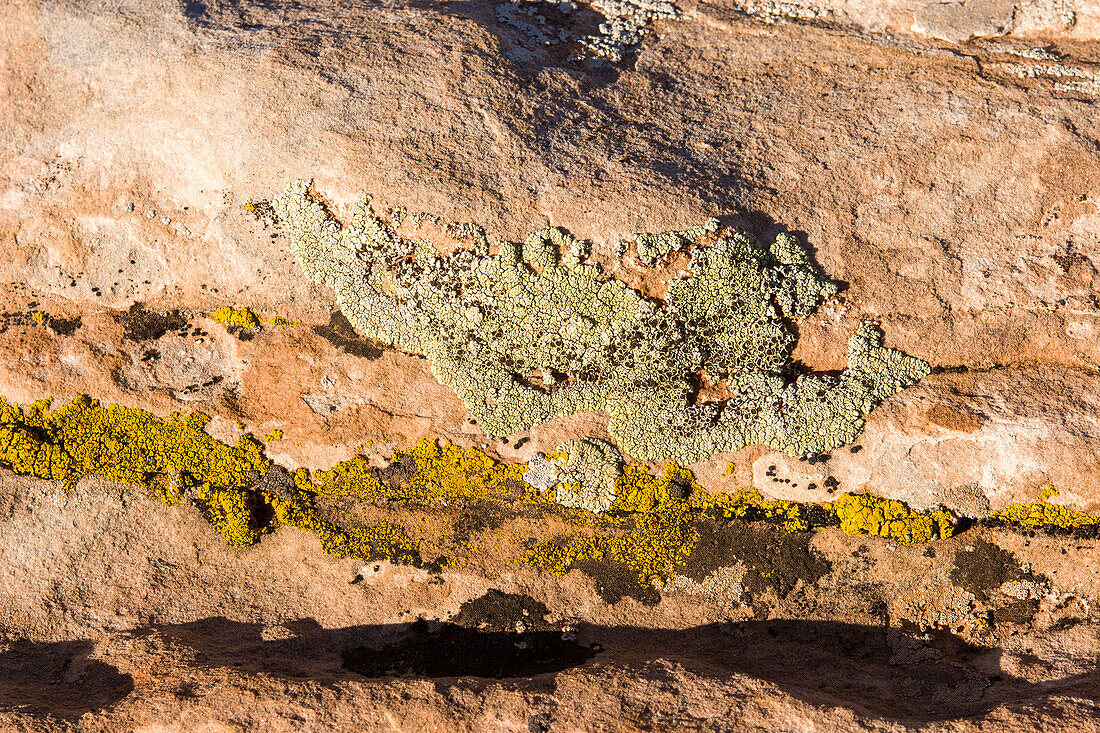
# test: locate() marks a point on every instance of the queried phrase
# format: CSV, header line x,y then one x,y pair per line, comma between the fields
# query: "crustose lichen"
x,y
534,332
625,23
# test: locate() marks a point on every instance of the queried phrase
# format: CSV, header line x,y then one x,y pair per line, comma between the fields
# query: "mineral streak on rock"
x,y
533,333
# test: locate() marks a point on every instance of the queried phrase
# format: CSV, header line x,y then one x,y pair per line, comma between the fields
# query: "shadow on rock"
x,y
872,670
421,649
58,680
447,650
869,669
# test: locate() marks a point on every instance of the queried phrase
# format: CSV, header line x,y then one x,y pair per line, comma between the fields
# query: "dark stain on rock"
x,y
985,568
139,324
1018,612
478,516
615,581
539,723
63,326
500,611
776,560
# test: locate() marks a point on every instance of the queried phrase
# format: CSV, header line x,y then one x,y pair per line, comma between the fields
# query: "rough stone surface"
x,y
939,159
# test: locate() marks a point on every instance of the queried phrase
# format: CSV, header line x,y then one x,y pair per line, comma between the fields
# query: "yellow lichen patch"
x,y
354,477
449,472
122,444
233,513
382,540
242,317
436,472
1041,513
663,536
788,512
660,542
866,514
637,490
558,555
38,316
247,318
280,321
178,462
650,528
173,458
275,434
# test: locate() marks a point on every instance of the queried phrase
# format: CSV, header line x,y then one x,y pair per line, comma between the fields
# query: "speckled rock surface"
x,y
940,161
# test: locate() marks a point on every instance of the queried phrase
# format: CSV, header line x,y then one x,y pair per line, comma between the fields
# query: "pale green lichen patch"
x,y
652,247
535,332
589,471
625,23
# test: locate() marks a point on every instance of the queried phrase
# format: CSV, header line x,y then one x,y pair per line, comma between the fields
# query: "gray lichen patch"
x,y
535,332
624,23
542,473
589,469
582,472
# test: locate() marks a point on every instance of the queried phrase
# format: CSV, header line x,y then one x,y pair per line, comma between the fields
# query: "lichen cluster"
x,y
178,462
1041,514
659,542
240,317
173,457
435,472
867,514
664,508
652,247
534,332
625,24
381,540
247,318
583,474
650,526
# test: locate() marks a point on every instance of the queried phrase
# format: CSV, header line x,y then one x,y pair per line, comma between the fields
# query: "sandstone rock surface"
x,y
940,160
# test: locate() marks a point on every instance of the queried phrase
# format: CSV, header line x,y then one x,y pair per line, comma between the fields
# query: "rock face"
x,y
939,160
138,135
